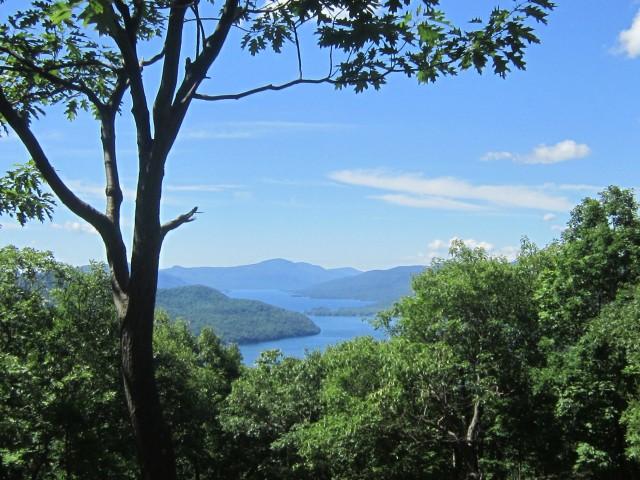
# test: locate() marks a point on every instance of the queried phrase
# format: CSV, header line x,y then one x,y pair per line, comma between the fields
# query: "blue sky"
x,y
381,178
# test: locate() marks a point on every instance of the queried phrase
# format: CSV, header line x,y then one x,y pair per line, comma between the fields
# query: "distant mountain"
x,y
383,287
277,274
239,321
166,280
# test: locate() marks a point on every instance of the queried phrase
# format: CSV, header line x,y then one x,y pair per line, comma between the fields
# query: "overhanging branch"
x,y
264,88
54,79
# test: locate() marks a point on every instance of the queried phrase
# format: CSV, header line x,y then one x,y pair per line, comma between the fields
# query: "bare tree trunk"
x,y
469,446
153,438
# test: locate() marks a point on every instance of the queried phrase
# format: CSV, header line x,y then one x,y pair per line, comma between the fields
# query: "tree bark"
x,y
468,447
153,438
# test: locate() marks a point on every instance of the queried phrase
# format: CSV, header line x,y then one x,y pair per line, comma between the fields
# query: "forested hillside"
x,y
380,287
494,369
233,320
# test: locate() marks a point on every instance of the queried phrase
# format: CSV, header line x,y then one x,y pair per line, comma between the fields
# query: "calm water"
x,y
332,329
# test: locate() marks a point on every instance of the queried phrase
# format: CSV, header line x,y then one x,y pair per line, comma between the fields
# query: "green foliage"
x,y
62,409
596,383
264,408
600,253
21,195
55,52
475,380
382,37
234,320
487,374
68,51
194,375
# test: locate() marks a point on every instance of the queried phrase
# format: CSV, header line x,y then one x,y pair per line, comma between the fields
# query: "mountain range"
x,y
276,274
378,287
382,287
193,294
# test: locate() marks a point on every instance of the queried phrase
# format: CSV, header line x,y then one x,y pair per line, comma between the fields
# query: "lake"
x,y
332,329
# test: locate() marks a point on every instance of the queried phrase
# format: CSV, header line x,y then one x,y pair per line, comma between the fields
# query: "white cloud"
x,y
576,187
629,40
215,135
472,243
75,227
510,252
558,228
544,154
547,217
560,152
288,182
437,244
12,226
489,156
426,202
415,190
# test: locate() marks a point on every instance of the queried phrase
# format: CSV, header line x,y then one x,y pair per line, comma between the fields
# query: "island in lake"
x,y
234,320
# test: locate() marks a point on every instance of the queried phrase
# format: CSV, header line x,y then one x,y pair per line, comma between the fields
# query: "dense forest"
x,y
493,369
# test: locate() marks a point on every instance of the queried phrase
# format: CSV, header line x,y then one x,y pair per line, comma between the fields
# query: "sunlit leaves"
x,y
22,197
370,40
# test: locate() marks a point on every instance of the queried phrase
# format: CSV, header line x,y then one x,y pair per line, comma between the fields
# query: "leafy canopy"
x,y
73,52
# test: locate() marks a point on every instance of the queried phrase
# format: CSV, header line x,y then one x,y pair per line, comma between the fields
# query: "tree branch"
x,y
180,220
195,73
298,54
140,110
118,92
264,88
99,221
215,19
152,60
172,49
472,431
63,82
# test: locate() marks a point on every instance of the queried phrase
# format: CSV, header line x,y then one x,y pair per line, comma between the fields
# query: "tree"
x,y
62,410
481,314
84,55
587,300
61,406
598,255
21,195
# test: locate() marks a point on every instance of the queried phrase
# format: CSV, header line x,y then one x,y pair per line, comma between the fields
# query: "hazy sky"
x,y
380,178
